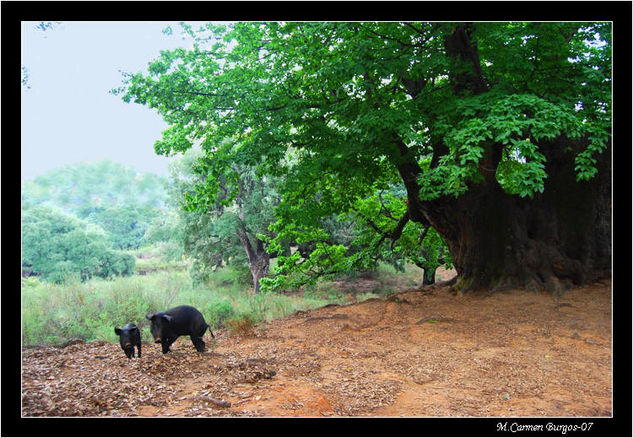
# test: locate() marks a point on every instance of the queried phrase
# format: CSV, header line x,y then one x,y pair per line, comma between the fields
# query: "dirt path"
x,y
421,353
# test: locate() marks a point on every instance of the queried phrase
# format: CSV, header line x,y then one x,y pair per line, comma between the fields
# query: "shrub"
x,y
241,324
219,312
60,248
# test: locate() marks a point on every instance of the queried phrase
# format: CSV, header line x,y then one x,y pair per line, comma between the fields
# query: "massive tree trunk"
x,y
559,238
258,258
498,240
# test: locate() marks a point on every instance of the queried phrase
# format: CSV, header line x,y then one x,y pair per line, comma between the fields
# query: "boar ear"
x,y
149,316
168,318
117,330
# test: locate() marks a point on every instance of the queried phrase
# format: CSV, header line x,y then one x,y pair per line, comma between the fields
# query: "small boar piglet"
x,y
169,325
129,336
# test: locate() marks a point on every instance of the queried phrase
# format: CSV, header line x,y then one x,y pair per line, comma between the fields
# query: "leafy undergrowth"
x,y
423,352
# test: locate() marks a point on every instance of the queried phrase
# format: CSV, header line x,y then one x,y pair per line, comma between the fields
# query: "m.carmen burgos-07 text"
x,y
549,427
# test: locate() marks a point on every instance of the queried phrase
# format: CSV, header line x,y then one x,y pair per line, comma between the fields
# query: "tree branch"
x,y
409,170
403,44
371,223
392,235
241,234
397,232
423,234
414,28
466,74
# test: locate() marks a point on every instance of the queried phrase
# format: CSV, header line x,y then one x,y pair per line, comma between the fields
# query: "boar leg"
x,y
167,343
165,346
198,343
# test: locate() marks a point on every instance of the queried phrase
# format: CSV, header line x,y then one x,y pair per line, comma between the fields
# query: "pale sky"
x,y
68,115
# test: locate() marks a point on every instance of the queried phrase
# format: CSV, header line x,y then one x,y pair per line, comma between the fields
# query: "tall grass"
x,y
54,313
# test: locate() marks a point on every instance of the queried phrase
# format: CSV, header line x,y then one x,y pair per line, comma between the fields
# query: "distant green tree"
x,y
233,229
125,226
166,231
56,246
116,263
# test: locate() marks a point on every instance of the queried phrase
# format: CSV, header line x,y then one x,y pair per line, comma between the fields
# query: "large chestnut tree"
x,y
500,132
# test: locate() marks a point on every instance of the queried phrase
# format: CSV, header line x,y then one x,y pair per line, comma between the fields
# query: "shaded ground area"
x,y
417,353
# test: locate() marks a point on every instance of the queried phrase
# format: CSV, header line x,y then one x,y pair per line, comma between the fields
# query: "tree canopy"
x,y
476,120
58,246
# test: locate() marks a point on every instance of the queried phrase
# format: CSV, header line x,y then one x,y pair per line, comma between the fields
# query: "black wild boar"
x,y
169,325
129,336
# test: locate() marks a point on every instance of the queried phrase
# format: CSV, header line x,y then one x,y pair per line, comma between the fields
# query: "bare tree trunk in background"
x,y
258,258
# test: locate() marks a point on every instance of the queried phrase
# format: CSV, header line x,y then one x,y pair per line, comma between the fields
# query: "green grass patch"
x,y
55,313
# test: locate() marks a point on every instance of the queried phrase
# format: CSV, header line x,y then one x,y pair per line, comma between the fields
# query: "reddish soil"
x,y
420,353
